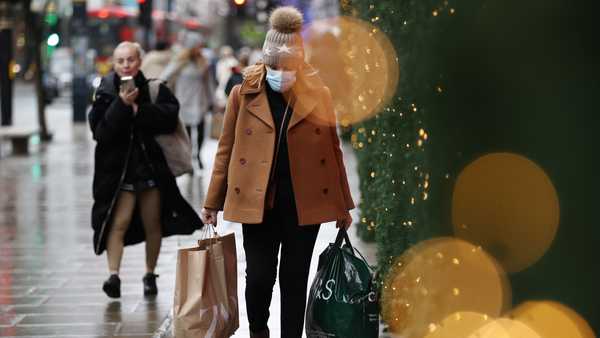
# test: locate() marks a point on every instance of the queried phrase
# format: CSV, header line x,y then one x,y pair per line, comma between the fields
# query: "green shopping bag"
x,y
343,300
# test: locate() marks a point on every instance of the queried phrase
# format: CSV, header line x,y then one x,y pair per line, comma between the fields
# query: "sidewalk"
x,y
50,279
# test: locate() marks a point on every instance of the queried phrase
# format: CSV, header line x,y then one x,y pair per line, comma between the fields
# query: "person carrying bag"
x,y
136,197
193,84
205,300
343,300
279,170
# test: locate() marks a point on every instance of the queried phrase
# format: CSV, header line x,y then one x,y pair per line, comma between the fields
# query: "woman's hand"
x,y
209,216
129,97
345,221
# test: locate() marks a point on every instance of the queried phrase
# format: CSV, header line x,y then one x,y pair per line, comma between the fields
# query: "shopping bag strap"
x,y
372,269
341,237
209,232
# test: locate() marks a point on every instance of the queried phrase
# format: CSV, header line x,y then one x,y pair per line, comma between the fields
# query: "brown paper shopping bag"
x,y
205,302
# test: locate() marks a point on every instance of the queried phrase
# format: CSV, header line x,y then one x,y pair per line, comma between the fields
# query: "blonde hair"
x,y
138,48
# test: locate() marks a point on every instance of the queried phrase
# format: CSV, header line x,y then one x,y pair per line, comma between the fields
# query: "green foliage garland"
x,y
393,149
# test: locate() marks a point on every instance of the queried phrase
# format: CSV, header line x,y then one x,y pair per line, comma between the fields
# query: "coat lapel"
x,y
303,105
259,103
306,95
259,107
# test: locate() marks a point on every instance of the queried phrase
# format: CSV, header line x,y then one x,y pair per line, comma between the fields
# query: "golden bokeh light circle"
x,y
508,205
459,324
504,328
358,63
552,320
437,278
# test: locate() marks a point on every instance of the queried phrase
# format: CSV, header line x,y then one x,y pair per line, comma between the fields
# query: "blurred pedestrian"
x,y
156,61
279,171
194,85
237,71
223,71
136,197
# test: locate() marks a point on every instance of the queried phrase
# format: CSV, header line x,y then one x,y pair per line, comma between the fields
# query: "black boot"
x,y
262,334
112,286
150,288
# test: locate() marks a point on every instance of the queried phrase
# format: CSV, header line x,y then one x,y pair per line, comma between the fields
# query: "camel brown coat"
x,y
246,149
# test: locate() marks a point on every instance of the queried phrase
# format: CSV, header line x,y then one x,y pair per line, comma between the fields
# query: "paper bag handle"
x,y
209,232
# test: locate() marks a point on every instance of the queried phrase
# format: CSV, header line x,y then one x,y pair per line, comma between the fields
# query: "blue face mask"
x,y
279,80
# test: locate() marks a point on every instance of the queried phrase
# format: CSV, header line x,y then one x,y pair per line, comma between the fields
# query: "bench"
x,y
19,137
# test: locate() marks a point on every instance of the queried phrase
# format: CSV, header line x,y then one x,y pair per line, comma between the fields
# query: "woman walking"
x,y
279,171
194,85
136,198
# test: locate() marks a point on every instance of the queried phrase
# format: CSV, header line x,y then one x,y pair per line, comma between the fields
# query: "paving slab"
x,y
59,329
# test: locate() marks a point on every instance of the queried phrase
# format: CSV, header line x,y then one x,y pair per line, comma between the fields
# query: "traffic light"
x,y
145,15
53,40
51,29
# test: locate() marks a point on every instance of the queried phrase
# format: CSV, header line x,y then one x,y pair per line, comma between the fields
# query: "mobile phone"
x,y
127,83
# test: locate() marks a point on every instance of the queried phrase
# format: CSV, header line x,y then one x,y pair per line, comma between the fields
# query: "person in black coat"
x,y
236,72
136,197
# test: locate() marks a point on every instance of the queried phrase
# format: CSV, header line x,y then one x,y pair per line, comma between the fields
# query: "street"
x,y
50,279
470,154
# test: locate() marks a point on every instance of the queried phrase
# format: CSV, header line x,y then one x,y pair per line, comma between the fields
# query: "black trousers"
x,y
262,243
199,138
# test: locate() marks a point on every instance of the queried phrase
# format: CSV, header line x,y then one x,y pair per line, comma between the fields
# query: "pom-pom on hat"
x,y
283,44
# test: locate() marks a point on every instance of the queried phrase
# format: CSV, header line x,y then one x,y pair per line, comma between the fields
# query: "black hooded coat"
x,y
118,133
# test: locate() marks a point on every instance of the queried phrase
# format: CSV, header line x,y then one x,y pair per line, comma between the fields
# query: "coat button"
x,y
243,161
323,161
325,191
237,190
318,131
248,131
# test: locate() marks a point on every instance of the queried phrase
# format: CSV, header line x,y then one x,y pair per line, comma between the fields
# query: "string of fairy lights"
x,y
394,151
391,146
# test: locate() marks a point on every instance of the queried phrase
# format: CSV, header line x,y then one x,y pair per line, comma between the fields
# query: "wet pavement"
x,y
50,279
